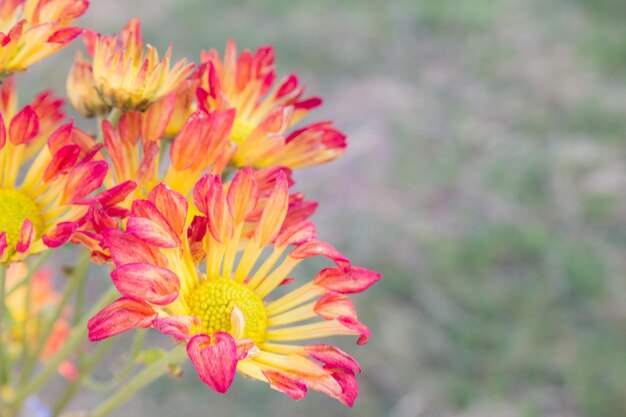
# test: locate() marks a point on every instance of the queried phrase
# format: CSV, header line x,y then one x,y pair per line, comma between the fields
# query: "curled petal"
x,y
120,316
354,280
62,162
61,233
126,249
154,284
172,205
24,126
243,195
296,234
274,212
215,359
333,356
65,35
27,234
3,243
347,381
83,179
319,248
283,383
148,224
357,326
179,327
332,305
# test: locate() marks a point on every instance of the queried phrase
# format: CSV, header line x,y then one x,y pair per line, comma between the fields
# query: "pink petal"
x,y
126,249
354,280
120,316
347,381
179,327
144,281
285,384
61,233
27,234
319,248
148,224
172,205
333,356
83,179
215,359
332,305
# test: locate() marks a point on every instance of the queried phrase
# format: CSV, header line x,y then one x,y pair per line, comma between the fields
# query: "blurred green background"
x,y
485,178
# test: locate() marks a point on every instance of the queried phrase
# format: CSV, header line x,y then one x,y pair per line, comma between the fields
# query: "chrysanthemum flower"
x,y
265,111
130,78
45,185
43,299
81,89
185,282
31,30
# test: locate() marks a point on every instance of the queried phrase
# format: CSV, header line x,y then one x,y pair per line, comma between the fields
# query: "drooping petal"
x,y
60,234
179,327
143,281
120,316
127,249
332,305
333,356
347,381
354,280
283,383
215,359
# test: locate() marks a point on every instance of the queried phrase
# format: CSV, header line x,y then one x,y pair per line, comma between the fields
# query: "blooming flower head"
x,y
185,279
43,299
265,111
129,77
45,182
31,30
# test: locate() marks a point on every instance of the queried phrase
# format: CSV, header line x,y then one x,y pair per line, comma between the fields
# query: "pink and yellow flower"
x,y
185,279
47,205
30,30
265,111
129,77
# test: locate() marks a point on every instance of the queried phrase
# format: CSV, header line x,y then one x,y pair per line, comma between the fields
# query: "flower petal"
x,y
333,356
172,205
24,126
283,383
120,316
179,327
148,224
27,234
144,281
354,280
126,249
215,359
61,233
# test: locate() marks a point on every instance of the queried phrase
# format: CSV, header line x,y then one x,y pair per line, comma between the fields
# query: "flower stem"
x,y
146,376
3,362
73,342
78,275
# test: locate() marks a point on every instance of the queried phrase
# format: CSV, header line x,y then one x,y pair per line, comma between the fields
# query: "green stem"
x,y
78,275
3,362
86,365
141,380
73,342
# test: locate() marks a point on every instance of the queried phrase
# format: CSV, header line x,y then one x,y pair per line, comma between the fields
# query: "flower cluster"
x,y
186,189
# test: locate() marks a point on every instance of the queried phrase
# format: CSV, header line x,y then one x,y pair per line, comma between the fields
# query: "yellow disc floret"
x,y
15,207
213,302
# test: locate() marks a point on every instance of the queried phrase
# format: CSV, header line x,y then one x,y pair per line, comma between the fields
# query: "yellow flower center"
x,y
241,130
15,207
213,303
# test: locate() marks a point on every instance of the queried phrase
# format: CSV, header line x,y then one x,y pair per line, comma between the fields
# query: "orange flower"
x,y
265,111
31,30
188,282
47,205
130,78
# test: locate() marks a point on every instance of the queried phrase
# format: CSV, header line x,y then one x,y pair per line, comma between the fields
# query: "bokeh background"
x,y
485,178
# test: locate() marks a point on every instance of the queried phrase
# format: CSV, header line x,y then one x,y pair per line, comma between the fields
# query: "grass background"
x,y
485,178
